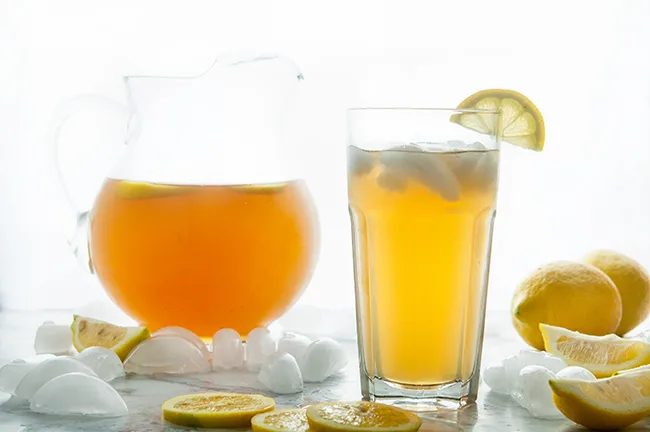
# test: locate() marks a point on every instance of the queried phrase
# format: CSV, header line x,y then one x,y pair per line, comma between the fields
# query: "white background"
x,y
586,64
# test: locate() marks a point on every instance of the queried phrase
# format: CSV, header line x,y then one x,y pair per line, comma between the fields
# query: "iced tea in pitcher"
x,y
204,256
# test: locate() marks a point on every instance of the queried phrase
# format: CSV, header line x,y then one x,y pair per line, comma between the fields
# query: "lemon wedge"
x,y
519,121
215,410
88,332
602,355
361,417
604,404
285,420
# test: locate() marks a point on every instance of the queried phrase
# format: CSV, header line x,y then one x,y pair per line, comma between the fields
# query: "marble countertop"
x,y
144,396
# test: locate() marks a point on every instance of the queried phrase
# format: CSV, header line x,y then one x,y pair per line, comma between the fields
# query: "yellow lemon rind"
x,y
319,424
499,99
119,339
582,409
259,422
552,334
214,419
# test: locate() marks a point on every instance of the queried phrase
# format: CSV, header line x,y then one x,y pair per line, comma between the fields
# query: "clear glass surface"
x,y
422,198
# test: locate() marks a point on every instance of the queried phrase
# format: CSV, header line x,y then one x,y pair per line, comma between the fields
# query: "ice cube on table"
x,y
495,378
166,354
294,344
642,336
514,364
184,333
260,345
78,394
47,370
281,374
227,350
532,391
322,359
53,339
576,372
104,362
13,372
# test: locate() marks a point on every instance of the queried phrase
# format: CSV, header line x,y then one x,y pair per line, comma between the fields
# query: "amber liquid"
x,y
204,257
422,229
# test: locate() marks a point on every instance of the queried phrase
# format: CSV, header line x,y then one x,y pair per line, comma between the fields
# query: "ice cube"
x,y
281,374
360,162
227,350
184,333
53,339
259,346
104,362
47,370
427,168
514,364
532,391
166,354
576,372
293,344
12,373
495,378
322,359
642,336
78,394
392,181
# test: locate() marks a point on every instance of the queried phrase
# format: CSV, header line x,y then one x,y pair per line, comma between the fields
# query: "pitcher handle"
x,y
78,236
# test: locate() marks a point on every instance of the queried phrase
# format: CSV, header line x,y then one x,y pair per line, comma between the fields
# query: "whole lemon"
x,y
632,282
572,295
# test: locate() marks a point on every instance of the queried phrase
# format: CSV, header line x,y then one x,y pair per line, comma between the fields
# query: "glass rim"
x,y
433,109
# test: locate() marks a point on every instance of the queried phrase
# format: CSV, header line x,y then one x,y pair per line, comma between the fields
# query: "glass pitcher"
x,y
204,221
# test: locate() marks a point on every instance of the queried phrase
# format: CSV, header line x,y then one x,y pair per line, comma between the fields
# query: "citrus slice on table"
x,y
215,410
602,355
519,121
361,417
605,404
88,332
285,420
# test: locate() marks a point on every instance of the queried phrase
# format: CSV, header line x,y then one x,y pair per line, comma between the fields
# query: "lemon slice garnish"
x,y
361,417
285,420
519,121
606,404
142,190
602,355
88,332
215,410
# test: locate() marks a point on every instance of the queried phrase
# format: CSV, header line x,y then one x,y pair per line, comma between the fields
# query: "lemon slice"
x,y
602,355
361,417
215,410
141,190
520,122
88,332
286,420
606,404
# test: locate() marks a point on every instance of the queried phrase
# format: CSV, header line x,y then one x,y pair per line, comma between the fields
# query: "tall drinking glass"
x,y
422,196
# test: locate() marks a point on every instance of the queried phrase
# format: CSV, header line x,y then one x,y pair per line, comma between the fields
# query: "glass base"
x,y
437,398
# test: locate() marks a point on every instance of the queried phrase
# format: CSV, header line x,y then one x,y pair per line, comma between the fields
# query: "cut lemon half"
x,y
285,420
88,332
361,417
602,355
519,121
215,410
605,404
